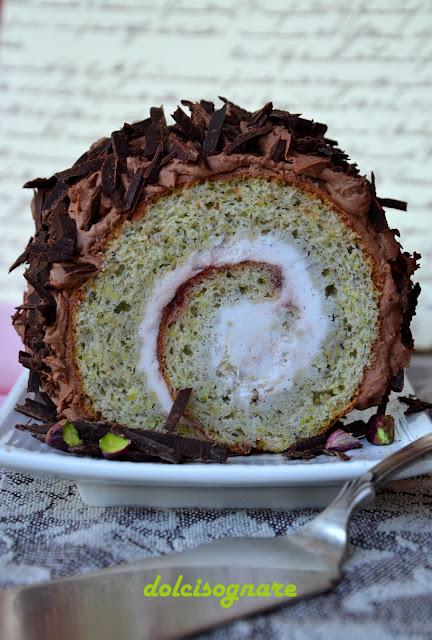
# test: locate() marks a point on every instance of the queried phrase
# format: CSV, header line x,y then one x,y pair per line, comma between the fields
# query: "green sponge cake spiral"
x,y
238,254
224,287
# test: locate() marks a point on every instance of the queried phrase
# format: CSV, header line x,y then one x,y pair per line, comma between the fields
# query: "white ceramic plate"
x,y
254,481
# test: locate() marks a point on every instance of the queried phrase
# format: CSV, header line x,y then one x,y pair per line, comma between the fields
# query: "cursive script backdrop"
x,y
73,70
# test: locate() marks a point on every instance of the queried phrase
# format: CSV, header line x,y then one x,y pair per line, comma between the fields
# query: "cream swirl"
x,y
258,351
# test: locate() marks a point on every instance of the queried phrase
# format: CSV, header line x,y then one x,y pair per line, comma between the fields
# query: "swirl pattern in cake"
x,y
236,253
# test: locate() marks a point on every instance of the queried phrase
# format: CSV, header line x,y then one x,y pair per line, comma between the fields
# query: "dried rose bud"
x,y
340,440
381,429
112,445
54,437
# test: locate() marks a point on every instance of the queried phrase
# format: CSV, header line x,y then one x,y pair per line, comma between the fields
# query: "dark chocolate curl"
x,y
247,136
55,196
177,410
109,175
40,183
415,405
186,125
393,204
80,170
134,190
23,257
214,130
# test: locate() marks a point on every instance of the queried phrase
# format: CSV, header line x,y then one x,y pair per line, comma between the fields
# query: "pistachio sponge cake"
x,y
238,254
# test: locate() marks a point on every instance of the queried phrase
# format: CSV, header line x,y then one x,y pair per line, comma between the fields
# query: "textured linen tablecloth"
x,y
46,531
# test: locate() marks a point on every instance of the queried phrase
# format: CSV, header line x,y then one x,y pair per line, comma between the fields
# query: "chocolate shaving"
x,y
92,431
55,196
259,118
35,409
214,130
415,405
23,257
109,175
33,381
98,149
411,307
357,428
235,109
151,169
304,127
24,358
136,129
154,133
133,192
37,430
281,114
376,212
157,116
183,151
303,454
80,170
135,455
140,179
63,234
178,408
145,444
80,268
88,449
192,448
338,454
381,409
391,203
208,106
119,144
93,210
38,198
46,400
312,447
82,158
309,447
309,454
40,183
247,136
38,276
51,255
167,159
278,150
397,382
149,446
153,138
186,125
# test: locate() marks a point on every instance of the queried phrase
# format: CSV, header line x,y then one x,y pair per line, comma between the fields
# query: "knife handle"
x,y
329,530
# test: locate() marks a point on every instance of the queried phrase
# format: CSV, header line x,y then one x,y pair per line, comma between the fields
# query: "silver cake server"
x,y
110,604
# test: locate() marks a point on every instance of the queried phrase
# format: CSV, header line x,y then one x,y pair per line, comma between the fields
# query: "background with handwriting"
x,y
72,71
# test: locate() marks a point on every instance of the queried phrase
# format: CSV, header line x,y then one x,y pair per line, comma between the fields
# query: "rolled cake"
x,y
239,254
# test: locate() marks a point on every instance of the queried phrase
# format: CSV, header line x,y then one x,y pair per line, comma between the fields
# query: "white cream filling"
x,y
250,347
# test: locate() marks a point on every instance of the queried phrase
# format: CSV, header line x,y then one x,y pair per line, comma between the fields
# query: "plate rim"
x,y
197,474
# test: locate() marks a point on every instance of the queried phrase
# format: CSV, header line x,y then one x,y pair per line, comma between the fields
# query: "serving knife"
x,y
110,604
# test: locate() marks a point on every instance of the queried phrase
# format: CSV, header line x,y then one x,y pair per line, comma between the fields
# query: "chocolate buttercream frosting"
x,y
76,211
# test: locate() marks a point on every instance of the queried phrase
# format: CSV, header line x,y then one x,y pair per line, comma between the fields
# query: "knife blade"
x,y
110,604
